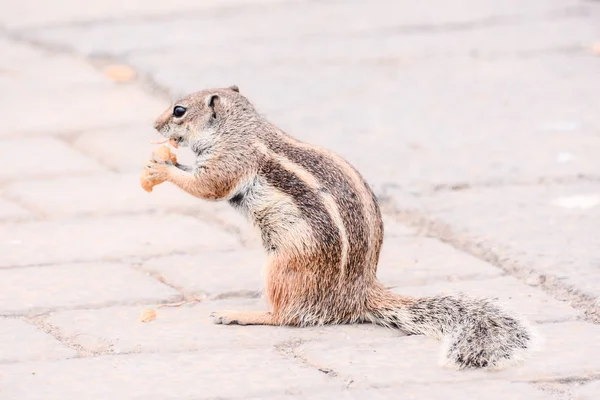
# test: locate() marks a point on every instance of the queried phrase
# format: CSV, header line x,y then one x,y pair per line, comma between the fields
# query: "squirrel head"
x,y
203,116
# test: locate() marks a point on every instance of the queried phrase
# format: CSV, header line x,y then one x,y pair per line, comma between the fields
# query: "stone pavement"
x,y
477,123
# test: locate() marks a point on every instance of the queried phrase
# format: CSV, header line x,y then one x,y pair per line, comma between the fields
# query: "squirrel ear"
x,y
234,88
212,101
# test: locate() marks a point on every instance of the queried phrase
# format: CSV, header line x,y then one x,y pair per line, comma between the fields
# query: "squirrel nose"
x,y
162,120
160,123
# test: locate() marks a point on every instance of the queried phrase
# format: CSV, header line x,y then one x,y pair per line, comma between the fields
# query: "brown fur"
x,y
321,227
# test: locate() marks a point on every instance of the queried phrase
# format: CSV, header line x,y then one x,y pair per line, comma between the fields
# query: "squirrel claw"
x,y
221,318
157,171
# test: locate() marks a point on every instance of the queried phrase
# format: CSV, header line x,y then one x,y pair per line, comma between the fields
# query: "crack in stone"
x,y
492,183
562,388
49,176
42,323
37,214
237,294
49,48
483,250
161,16
34,312
288,348
570,379
69,142
245,240
126,259
138,266
237,9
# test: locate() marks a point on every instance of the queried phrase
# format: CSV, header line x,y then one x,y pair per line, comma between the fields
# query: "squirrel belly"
x,y
322,230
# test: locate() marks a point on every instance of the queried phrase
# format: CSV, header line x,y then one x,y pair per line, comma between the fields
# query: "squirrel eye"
x,y
179,111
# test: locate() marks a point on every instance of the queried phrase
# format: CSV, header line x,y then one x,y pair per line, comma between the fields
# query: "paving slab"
x,y
27,68
196,375
56,158
16,53
86,107
394,229
222,214
220,274
108,238
487,390
419,260
9,211
33,13
189,328
588,391
399,46
412,359
507,291
535,225
78,285
21,341
104,194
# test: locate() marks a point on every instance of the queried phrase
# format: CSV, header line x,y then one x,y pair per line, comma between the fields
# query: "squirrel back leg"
x,y
286,290
301,295
233,317
243,318
279,293
274,292
303,291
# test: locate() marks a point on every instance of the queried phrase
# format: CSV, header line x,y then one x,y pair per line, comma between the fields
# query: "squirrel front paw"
x,y
157,171
154,173
158,168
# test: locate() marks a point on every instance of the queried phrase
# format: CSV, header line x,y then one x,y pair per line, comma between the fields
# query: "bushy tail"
x,y
475,332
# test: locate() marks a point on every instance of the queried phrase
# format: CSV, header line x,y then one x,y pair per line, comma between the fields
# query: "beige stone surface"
x,y
52,157
256,372
409,260
105,194
564,353
84,107
476,121
21,341
110,238
587,391
10,211
221,274
507,292
189,328
85,285
33,13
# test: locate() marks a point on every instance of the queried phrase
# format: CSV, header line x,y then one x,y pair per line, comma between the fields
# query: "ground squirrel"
x,y
322,230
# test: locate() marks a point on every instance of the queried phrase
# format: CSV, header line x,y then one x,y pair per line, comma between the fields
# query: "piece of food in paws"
x,y
172,142
163,153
